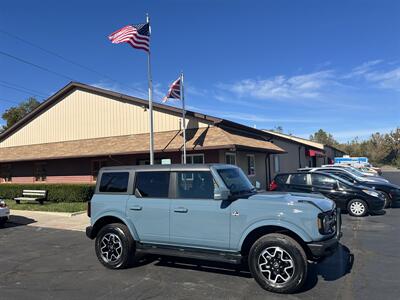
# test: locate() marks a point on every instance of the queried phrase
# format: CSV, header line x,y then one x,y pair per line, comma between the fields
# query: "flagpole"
x,y
183,119
150,80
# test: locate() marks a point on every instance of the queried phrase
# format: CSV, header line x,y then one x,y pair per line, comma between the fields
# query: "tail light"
x,y
88,208
273,186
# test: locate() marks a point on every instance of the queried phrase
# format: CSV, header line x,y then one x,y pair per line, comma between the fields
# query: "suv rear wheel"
x,y
278,263
114,246
357,208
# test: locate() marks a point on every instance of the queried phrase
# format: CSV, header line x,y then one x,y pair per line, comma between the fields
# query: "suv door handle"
x,y
136,207
181,210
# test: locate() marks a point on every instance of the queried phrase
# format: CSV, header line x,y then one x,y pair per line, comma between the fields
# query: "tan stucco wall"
x,y
288,162
84,115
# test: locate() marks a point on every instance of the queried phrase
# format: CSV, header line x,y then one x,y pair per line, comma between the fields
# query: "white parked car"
x,y
4,213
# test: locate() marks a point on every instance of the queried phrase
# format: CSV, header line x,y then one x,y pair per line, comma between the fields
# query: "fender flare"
x,y
275,222
116,214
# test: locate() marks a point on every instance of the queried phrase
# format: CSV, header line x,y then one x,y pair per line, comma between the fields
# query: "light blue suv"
x,y
210,212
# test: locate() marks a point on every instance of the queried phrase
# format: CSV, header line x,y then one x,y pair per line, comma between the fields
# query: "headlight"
x,y
371,193
327,222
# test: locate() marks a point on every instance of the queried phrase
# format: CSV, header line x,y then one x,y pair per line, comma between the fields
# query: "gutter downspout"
x,y
299,156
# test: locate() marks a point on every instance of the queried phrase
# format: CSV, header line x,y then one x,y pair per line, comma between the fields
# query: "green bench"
x,y
32,195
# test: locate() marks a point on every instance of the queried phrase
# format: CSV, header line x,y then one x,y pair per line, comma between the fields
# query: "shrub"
x,y
56,192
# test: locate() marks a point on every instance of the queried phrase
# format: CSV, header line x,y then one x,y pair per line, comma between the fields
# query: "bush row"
x,y
56,192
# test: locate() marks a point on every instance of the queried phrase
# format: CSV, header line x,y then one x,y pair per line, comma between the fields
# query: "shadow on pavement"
x,y
330,269
16,221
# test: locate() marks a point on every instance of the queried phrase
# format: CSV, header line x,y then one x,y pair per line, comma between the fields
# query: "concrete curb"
x,y
49,213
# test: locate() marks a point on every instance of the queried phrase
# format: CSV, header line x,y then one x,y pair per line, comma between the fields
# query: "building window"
x,y
194,158
230,158
251,165
158,161
97,164
5,172
40,171
277,167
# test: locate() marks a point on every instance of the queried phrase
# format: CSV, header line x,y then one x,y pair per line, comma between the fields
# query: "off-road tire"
x,y
127,255
297,256
351,208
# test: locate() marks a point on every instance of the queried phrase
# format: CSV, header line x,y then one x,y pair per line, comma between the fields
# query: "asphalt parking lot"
x,y
44,263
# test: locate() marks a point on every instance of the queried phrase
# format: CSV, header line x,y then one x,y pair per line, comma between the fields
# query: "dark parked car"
x,y
390,191
357,200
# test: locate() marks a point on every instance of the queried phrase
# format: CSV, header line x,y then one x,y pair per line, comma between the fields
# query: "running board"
x,y
203,254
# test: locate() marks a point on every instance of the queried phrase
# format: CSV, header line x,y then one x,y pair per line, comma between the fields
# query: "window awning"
x,y
315,153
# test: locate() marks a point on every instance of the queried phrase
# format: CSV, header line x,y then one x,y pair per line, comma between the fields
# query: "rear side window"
x,y
114,182
195,185
152,184
281,178
323,181
298,179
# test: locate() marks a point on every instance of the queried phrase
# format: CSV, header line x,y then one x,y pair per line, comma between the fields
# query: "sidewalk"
x,y
51,220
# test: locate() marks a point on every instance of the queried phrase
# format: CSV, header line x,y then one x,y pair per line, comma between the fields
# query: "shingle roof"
x,y
296,139
197,139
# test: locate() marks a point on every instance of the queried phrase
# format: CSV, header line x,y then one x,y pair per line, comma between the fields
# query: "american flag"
x,y
174,90
138,36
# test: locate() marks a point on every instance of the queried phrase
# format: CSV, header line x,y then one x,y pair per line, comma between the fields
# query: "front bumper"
x,y
327,247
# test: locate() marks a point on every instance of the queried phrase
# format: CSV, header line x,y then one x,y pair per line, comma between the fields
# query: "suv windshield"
x,y
236,181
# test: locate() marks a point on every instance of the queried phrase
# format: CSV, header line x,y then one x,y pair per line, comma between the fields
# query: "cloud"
x,y
377,73
363,69
282,87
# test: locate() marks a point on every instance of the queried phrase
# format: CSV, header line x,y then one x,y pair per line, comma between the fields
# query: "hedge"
x,y
56,192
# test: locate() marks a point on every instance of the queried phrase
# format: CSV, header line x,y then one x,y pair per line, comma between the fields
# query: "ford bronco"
x,y
210,212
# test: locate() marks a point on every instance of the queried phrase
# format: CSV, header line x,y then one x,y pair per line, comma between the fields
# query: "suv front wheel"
x,y
115,247
278,263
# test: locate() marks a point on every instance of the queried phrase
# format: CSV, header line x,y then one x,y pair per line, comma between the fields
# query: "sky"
x,y
301,65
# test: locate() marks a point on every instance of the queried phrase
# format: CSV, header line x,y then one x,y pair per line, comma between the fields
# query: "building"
x,y
82,128
300,153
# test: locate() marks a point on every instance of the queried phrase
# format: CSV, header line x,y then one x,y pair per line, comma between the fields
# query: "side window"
x,y
322,181
194,158
344,176
277,167
251,165
300,179
281,179
40,171
195,185
114,182
230,158
152,184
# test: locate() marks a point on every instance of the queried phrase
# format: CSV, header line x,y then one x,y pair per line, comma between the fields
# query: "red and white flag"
x,y
138,36
174,91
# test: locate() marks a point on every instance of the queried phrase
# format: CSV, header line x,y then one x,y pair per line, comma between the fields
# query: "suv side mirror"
x,y
221,193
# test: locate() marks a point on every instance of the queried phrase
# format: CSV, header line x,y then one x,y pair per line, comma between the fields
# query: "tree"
x,y
278,129
16,113
324,137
